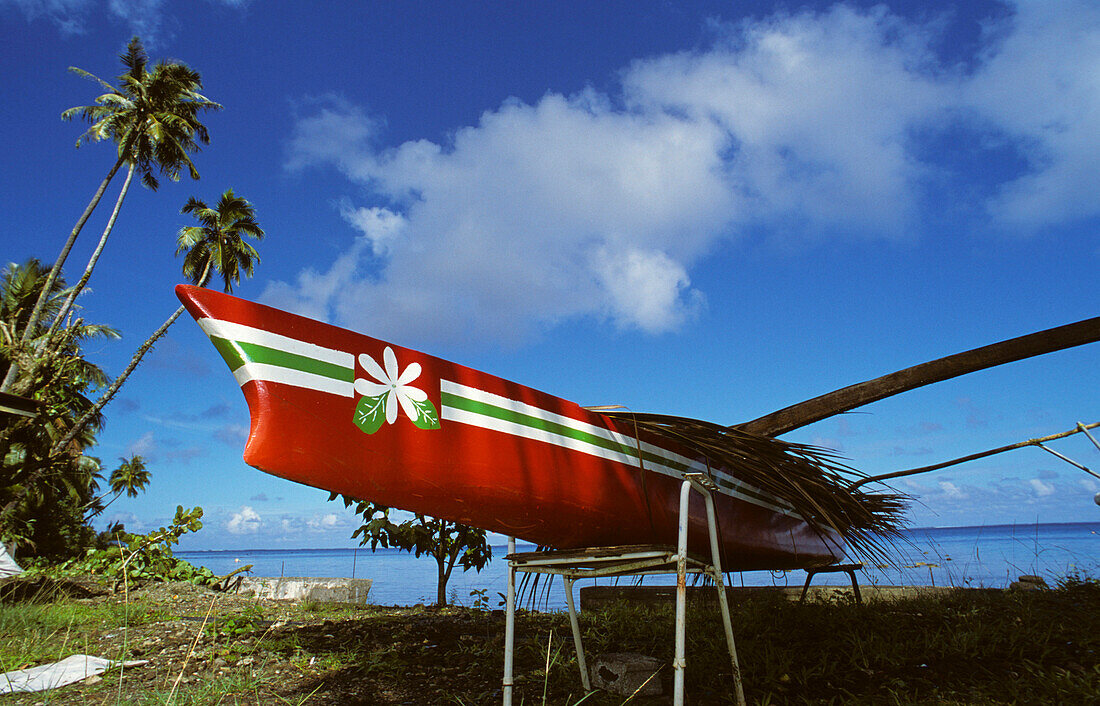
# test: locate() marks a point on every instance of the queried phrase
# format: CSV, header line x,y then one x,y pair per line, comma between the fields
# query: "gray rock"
x,y
1028,582
624,673
334,590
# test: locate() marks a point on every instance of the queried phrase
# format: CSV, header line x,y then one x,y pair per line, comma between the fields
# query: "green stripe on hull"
x,y
229,352
488,410
746,490
237,353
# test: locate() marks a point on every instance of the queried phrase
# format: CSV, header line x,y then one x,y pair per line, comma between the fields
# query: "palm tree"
x,y
20,289
218,243
152,117
130,478
32,480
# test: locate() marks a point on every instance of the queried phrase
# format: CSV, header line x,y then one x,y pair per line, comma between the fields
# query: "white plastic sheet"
x,y
50,676
8,567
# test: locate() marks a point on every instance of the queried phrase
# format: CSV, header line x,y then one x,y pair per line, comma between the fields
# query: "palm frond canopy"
x,y
219,242
810,478
20,285
152,116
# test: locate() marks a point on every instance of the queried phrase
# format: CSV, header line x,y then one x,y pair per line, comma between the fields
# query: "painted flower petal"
x,y
391,406
370,389
391,364
411,373
413,393
407,404
373,369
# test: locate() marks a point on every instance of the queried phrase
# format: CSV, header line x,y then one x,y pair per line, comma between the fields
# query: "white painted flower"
x,y
395,387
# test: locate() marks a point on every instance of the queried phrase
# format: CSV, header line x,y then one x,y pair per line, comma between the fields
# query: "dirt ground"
x,y
205,646
963,647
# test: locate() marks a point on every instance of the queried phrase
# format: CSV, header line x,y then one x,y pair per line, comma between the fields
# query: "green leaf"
x,y
427,418
370,413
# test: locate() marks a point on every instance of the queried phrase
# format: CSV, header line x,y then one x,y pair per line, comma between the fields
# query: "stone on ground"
x,y
624,673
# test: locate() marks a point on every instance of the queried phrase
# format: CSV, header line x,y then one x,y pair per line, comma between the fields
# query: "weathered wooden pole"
x,y
844,399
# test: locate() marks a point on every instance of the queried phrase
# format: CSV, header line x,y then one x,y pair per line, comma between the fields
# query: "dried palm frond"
x,y
809,478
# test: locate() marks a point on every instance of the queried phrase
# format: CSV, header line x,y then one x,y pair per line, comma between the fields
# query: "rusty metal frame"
x,y
599,562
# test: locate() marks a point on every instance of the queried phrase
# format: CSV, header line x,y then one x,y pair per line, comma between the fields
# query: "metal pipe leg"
x,y
576,625
509,627
723,602
679,662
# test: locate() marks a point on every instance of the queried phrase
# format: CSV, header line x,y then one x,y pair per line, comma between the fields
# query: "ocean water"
x,y
989,556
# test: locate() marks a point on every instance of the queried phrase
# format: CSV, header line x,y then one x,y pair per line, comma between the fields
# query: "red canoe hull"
x,y
347,413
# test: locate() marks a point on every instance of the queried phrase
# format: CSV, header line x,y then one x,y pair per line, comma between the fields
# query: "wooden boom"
x,y
844,399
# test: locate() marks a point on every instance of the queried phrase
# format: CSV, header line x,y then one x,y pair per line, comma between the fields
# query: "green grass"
x,y
968,646
45,630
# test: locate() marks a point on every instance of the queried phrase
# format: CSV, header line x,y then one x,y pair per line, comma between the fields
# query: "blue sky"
x,y
699,208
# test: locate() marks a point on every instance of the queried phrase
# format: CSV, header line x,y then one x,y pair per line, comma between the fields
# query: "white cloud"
x,y
144,17
1041,87
338,132
800,126
132,522
68,15
380,226
644,289
1041,489
232,434
145,445
246,521
820,109
952,491
566,208
323,522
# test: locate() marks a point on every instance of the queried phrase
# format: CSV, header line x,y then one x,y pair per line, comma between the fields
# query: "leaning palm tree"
x,y
218,243
152,117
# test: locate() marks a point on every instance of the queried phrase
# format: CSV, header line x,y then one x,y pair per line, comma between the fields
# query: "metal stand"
x,y
849,569
599,562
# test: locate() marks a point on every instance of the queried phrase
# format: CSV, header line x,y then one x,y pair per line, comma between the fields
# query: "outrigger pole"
x,y
844,399
1080,428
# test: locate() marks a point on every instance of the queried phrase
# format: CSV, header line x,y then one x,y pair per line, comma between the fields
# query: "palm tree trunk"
x,y
110,392
44,295
79,287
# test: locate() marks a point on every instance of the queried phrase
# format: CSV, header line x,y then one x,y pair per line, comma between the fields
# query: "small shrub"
x,y
248,620
140,558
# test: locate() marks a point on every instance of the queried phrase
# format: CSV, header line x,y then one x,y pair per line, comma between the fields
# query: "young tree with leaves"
x,y
449,543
